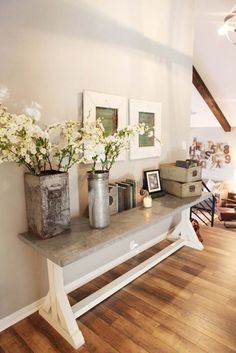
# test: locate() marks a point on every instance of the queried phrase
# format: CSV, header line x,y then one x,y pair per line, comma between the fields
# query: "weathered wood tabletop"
x,y
81,240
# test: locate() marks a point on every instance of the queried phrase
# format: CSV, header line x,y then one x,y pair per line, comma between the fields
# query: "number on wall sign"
x,y
226,149
227,158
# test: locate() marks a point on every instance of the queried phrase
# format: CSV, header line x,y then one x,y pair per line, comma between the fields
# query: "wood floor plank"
x,y
138,318
173,289
110,335
201,287
192,317
215,251
53,336
10,343
191,327
226,278
1,350
180,344
95,343
211,345
21,341
124,301
210,316
221,317
149,342
142,337
36,341
187,271
224,311
216,277
164,335
232,303
206,260
177,306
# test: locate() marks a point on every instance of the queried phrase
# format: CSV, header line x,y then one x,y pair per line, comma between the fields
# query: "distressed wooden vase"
x,y
98,199
47,203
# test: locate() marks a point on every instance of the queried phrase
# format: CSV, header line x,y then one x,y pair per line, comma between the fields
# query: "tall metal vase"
x,y
98,199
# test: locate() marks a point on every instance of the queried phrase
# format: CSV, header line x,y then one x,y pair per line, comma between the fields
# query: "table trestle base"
x,y
62,316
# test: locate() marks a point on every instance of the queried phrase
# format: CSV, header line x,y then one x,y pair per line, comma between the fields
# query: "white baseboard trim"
x,y
20,314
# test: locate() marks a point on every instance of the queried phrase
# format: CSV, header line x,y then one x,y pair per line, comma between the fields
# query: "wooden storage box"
x,y
184,175
182,189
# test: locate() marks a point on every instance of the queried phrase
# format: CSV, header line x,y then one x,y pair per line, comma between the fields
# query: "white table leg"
x,y
57,309
184,230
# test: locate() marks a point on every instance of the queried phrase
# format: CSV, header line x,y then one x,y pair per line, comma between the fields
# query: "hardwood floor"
x,y
186,304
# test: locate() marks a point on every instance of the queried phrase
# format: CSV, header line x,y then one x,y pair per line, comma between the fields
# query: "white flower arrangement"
x,y
22,140
33,111
104,150
67,144
60,145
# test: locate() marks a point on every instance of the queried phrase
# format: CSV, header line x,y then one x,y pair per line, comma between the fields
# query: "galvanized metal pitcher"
x,y
98,199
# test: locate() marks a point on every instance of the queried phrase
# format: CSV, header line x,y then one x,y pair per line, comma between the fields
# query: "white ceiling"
x,y
215,60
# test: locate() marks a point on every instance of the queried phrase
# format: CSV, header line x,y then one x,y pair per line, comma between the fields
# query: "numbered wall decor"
x,y
145,146
210,154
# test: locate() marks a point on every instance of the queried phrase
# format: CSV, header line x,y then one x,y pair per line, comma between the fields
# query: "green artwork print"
x,y
149,119
109,117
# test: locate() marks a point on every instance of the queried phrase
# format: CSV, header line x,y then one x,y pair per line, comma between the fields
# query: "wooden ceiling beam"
x,y
210,101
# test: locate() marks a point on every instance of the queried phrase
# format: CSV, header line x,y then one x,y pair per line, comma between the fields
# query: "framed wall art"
x,y
111,109
145,146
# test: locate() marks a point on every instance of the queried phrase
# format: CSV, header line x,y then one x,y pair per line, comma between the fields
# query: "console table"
x,y
83,241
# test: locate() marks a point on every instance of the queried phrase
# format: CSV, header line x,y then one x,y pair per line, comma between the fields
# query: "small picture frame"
x,y
152,181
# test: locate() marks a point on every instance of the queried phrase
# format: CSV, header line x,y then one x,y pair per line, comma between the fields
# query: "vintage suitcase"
x,y
184,175
182,189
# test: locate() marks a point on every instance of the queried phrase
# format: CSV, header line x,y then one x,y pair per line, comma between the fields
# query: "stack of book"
x,y
123,195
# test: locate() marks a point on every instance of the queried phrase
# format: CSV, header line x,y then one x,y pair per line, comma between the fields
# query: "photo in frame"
x,y
152,181
147,145
111,109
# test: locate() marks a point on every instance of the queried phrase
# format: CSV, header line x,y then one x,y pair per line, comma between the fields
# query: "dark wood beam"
x,y
210,101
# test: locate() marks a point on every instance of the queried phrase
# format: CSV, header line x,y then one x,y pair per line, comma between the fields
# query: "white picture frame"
x,y
137,111
94,100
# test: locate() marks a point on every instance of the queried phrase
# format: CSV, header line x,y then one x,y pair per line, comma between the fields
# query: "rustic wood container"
x,y
184,175
47,203
182,189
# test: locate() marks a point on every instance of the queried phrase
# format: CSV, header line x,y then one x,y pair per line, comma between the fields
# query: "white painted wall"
x,y
201,115
50,52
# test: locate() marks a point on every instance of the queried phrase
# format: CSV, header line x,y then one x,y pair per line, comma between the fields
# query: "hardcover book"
x,y
128,195
134,190
138,198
